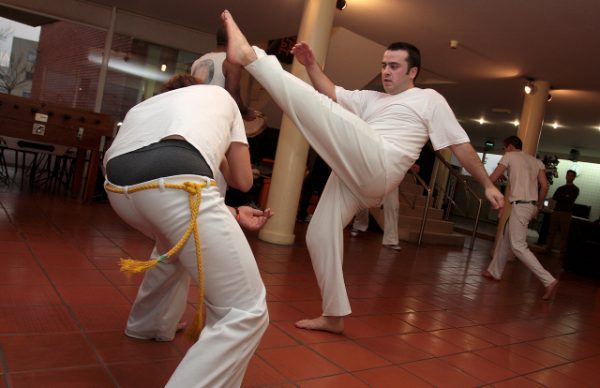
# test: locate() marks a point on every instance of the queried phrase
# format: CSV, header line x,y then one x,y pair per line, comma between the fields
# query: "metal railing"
x,y
460,179
414,201
447,195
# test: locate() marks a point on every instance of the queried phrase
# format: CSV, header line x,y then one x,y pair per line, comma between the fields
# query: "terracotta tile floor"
x,y
423,317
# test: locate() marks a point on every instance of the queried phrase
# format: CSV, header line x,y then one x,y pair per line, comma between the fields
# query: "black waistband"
x,y
520,202
166,158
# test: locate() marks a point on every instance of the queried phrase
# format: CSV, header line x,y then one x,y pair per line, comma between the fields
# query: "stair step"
x,y
453,239
414,223
410,188
432,213
416,199
431,225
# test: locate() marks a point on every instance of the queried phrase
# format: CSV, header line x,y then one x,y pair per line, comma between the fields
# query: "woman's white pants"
x,y
236,311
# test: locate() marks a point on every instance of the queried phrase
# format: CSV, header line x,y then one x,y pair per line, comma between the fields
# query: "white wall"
x,y
588,181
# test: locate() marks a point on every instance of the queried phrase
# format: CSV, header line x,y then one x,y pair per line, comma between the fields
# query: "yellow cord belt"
x,y
194,189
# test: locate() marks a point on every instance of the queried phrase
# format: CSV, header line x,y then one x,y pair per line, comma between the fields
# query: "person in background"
x,y
528,187
391,208
563,199
316,178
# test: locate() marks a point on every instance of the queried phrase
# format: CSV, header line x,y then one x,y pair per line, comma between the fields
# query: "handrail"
x,y
462,180
426,210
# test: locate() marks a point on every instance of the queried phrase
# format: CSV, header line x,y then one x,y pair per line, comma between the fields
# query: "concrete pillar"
x,y
532,116
530,130
292,148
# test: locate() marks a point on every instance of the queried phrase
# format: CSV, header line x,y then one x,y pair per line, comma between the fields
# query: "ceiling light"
x,y
340,4
549,97
529,87
481,120
555,124
163,67
515,123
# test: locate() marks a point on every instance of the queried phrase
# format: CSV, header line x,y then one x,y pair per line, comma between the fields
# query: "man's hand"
x,y
495,197
253,219
304,54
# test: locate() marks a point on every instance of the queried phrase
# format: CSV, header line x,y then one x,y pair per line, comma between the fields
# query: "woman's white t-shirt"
x,y
204,115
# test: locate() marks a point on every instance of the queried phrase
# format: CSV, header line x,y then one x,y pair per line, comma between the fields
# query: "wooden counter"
x,y
45,122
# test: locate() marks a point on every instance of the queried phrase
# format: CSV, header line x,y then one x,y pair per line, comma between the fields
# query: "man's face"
x,y
508,148
570,177
395,75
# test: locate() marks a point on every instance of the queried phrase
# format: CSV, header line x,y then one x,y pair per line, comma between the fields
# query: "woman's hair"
x,y
179,81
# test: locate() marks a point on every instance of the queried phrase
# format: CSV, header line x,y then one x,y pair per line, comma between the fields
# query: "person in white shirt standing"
x,y
528,187
159,178
369,139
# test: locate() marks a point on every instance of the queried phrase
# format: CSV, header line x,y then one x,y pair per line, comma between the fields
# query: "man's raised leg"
x,y
345,142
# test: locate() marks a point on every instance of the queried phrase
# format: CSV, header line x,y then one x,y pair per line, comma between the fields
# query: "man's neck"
x,y
403,90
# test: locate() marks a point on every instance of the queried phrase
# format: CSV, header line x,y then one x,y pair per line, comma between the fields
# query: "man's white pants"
x,y
391,207
358,158
515,238
236,311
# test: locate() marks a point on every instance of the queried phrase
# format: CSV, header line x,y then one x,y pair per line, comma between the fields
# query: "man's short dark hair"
x,y
221,37
572,172
414,55
513,141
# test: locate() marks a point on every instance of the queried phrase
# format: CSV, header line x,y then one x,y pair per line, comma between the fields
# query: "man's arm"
x,y
498,172
470,161
304,54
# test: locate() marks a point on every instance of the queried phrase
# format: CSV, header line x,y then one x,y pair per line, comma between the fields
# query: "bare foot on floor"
x,y
550,290
331,324
239,51
180,326
487,274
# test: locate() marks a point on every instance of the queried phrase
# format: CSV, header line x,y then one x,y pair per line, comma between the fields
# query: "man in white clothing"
x,y
391,207
369,139
525,175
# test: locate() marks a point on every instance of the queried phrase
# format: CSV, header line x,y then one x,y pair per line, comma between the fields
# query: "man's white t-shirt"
x,y
205,115
405,122
210,66
523,170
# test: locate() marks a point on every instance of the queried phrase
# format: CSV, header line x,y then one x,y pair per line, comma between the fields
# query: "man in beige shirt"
x,y
525,175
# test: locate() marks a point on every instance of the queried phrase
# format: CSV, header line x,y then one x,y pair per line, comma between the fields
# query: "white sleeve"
x,y
355,101
444,129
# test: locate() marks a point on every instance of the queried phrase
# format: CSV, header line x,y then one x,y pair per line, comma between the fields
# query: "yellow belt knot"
x,y
194,189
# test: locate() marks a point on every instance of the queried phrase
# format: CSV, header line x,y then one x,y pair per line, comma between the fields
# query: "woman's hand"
x,y
253,219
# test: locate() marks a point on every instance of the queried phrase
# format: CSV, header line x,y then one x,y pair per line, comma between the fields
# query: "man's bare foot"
x,y
180,326
487,274
550,290
239,51
331,324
